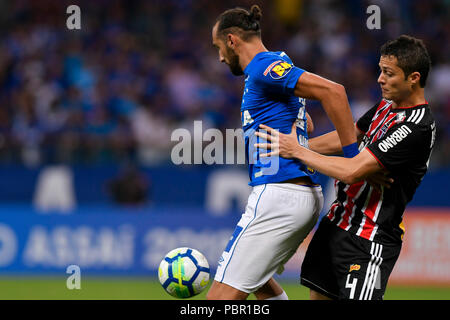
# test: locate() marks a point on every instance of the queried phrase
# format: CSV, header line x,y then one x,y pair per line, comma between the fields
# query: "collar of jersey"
x,y
417,105
255,58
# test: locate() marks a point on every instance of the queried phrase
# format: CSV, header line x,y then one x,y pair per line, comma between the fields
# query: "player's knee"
x,y
221,291
215,292
269,290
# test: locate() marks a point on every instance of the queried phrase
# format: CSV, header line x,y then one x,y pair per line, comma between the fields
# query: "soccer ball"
x,y
184,272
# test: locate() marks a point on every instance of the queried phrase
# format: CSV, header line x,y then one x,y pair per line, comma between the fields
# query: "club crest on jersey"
x,y
278,69
311,170
401,116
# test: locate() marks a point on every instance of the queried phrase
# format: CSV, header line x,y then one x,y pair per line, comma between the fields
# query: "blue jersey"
x,y
270,79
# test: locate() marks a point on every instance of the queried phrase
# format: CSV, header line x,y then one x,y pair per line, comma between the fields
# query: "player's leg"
x,y
233,264
342,265
317,272
222,291
271,290
265,238
311,202
364,267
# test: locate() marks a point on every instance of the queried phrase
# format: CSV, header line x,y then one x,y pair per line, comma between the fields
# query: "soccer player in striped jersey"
x,y
285,200
358,242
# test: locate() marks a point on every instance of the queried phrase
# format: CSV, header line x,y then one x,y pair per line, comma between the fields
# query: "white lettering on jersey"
x,y
247,118
303,141
394,138
300,122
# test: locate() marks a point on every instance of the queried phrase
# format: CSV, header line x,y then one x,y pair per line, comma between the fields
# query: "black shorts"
x,y
342,265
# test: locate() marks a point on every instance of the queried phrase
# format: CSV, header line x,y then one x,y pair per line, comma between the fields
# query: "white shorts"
x,y
277,219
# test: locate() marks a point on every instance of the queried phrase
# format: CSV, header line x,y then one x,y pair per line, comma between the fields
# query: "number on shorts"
x,y
351,285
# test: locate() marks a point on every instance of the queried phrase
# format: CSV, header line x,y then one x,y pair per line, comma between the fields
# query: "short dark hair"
x,y
240,21
411,54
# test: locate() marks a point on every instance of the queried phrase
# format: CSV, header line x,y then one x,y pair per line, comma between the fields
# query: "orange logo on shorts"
x,y
354,267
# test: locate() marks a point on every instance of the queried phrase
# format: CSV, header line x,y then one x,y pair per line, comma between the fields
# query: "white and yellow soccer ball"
x,y
184,272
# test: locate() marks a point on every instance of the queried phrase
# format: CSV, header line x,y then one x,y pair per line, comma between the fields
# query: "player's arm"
x,y
329,143
347,170
334,101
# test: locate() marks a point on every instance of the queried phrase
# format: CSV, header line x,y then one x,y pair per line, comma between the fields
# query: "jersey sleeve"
x,y
400,146
278,76
364,122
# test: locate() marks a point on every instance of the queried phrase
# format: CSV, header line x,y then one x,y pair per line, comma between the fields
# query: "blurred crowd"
x,y
116,89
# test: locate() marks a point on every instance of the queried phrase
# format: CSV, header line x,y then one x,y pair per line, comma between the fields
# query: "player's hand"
x,y
380,179
284,145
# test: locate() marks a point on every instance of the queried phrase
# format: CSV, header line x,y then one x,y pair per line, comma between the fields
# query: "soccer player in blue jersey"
x,y
286,199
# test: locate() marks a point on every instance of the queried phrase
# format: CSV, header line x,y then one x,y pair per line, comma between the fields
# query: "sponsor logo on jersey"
x,y
278,69
354,267
394,138
266,72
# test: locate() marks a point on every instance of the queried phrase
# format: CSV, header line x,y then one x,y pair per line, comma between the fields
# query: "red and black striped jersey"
x,y
401,140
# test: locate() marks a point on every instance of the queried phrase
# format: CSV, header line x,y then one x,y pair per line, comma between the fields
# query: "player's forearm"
x,y
327,144
335,167
346,170
338,110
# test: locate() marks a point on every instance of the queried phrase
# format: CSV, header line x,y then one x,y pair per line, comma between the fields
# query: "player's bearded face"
x,y
232,60
226,54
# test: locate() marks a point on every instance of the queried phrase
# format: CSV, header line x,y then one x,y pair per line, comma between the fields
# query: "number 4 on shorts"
x,y
351,285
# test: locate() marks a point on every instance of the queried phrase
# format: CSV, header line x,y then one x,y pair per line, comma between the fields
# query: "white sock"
x,y
282,296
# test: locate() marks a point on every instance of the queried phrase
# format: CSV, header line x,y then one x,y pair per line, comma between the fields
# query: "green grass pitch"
x,y
101,288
